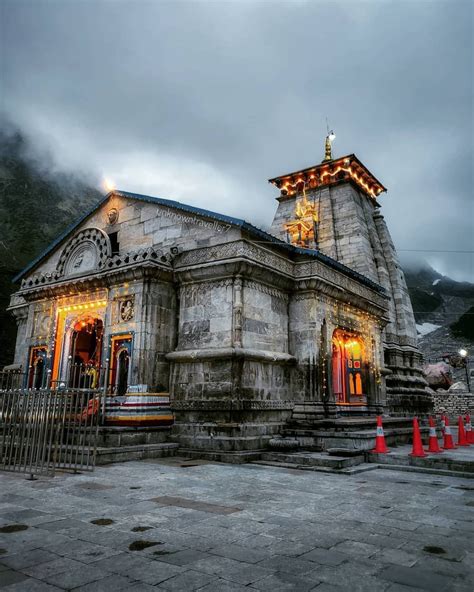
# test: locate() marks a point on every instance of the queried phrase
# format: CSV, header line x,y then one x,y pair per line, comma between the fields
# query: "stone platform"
x,y
352,433
119,444
458,462
316,461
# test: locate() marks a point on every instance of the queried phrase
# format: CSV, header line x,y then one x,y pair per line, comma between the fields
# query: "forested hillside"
x,y
35,206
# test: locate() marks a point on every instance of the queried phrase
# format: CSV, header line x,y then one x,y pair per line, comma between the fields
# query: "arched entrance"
x,y
37,368
348,376
123,364
121,349
85,352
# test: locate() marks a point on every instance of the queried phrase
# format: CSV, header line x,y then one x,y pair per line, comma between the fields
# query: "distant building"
x,y
238,325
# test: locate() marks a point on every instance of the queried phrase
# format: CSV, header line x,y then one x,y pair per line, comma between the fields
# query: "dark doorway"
x,y
120,363
86,351
37,368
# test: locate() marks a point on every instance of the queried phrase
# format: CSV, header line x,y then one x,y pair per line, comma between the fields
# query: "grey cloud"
x,y
216,97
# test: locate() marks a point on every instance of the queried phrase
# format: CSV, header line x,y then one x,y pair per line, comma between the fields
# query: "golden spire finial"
x,y
327,148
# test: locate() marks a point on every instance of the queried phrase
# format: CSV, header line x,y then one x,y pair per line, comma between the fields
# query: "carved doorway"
x,y
120,363
37,368
85,352
348,364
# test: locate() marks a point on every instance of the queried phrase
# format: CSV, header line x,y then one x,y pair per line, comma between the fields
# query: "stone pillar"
x,y
237,311
155,334
21,346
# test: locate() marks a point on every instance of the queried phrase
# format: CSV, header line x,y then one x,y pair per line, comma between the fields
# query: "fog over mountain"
x,y
204,101
36,204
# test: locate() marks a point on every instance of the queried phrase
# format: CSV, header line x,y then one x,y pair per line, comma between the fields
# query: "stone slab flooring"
x,y
177,525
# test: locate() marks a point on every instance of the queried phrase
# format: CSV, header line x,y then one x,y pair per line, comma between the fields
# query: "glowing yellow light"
x,y
108,184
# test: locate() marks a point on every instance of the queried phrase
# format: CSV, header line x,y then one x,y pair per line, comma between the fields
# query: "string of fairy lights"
x,y
361,324
72,308
291,188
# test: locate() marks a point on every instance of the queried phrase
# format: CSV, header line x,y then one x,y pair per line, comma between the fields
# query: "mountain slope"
x,y
35,206
444,312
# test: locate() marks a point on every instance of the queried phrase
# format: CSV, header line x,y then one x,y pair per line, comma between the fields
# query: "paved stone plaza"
x,y
228,528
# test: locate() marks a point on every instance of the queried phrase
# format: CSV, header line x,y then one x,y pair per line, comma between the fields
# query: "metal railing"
x,y
42,430
77,377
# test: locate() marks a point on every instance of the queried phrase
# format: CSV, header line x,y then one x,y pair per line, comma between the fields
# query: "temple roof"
x,y
236,222
339,170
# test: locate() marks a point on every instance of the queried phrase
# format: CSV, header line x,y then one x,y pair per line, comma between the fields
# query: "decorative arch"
x,y
86,251
92,322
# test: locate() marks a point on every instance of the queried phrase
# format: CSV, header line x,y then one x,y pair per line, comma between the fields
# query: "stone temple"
x,y
245,330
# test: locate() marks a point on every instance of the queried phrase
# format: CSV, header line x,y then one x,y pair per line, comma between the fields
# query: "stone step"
x,y
426,470
362,468
443,461
362,440
114,436
224,456
314,459
318,432
109,455
347,424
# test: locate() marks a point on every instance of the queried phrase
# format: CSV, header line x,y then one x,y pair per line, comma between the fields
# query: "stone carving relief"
x,y
112,216
112,263
225,404
266,290
41,323
236,249
127,309
86,251
83,258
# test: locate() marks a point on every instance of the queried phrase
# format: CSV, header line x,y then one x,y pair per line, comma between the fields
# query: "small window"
x,y
113,236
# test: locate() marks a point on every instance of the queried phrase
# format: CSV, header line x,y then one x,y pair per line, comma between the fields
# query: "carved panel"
x,y
266,290
126,310
86,251
236,249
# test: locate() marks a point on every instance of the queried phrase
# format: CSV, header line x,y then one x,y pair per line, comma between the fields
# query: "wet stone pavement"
x,y
178,526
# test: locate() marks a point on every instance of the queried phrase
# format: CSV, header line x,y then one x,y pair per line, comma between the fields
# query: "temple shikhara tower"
x,y
234,334
333,208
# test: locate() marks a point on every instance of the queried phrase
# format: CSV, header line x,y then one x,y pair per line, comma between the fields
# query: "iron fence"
x,y
42,430
76,377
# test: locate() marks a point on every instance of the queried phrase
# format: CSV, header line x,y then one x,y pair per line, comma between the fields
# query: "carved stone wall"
x,y
352,231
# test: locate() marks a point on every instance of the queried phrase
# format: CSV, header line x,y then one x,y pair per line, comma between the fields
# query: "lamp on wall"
x,y
464,353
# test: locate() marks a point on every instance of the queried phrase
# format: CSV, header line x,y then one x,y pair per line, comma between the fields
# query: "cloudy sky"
x,y
204,101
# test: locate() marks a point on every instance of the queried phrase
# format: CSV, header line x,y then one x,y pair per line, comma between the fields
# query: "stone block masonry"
x,y
454,404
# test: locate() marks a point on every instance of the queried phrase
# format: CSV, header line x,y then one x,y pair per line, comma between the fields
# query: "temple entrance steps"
x,y
457,462
335,445
121,444
346,433
316,461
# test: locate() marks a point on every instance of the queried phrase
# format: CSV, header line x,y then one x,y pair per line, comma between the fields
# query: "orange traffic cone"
x,y
417,443
469,432
380,446
448,442
462,440
433,445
